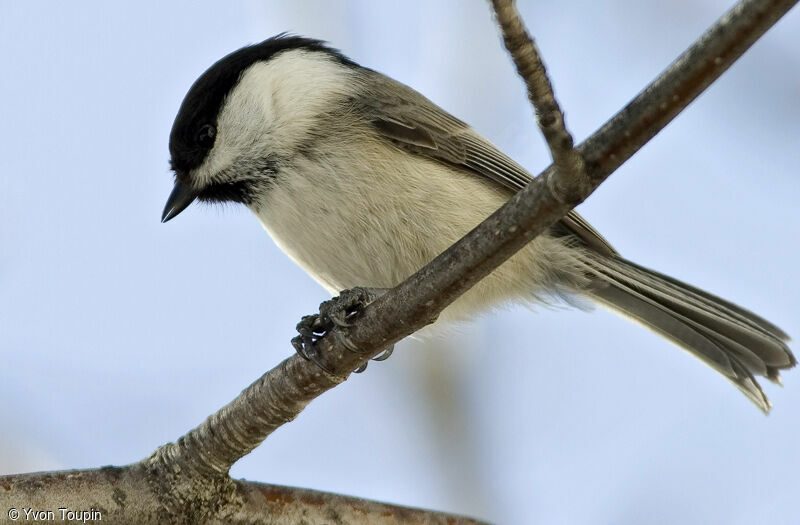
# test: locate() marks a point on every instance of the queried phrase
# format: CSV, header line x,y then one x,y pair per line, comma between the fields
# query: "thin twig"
x,y
525,54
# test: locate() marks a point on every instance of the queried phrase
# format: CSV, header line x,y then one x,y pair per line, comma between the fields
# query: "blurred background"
x,y
118,333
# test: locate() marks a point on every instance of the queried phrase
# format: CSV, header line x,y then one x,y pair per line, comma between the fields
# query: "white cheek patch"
x,y
273,108
304,84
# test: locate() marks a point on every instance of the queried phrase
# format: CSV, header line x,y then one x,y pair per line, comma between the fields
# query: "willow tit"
x,y
361,181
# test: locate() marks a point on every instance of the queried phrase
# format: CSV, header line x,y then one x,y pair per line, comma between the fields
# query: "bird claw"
x,y
336,312
348,305
303,342
383,356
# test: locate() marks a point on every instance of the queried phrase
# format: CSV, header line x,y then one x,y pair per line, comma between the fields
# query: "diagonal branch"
x,y
280,395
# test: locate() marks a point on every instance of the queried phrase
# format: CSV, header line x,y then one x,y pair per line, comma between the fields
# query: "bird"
x,y
361,180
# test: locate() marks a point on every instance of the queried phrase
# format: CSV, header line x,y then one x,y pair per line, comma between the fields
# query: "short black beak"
x,y
180,198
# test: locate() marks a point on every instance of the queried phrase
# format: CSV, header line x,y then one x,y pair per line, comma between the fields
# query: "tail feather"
x,y
737,311
730,339
713,316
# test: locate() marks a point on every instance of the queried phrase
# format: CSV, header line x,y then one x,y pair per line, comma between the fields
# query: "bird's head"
x,y
246,116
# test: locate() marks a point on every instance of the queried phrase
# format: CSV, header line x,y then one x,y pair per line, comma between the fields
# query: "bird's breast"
x,y
371,215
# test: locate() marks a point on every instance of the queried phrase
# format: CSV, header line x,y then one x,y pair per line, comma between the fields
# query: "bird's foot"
x,y
337,312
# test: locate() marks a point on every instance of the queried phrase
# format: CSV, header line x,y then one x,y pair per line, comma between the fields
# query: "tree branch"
x,y
188,479
525,54
131,495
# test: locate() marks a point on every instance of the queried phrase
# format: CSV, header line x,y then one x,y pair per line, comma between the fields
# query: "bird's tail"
x,y
733,341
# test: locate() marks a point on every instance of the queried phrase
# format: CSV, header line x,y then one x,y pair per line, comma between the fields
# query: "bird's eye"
x,y
205,136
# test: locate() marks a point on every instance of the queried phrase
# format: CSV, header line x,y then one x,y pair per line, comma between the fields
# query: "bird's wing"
x,y
415,124
732,340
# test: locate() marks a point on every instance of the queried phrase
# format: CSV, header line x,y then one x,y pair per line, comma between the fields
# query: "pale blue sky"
x,y
119,333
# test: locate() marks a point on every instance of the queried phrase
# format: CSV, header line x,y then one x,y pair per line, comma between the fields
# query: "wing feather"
x,y
413,123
